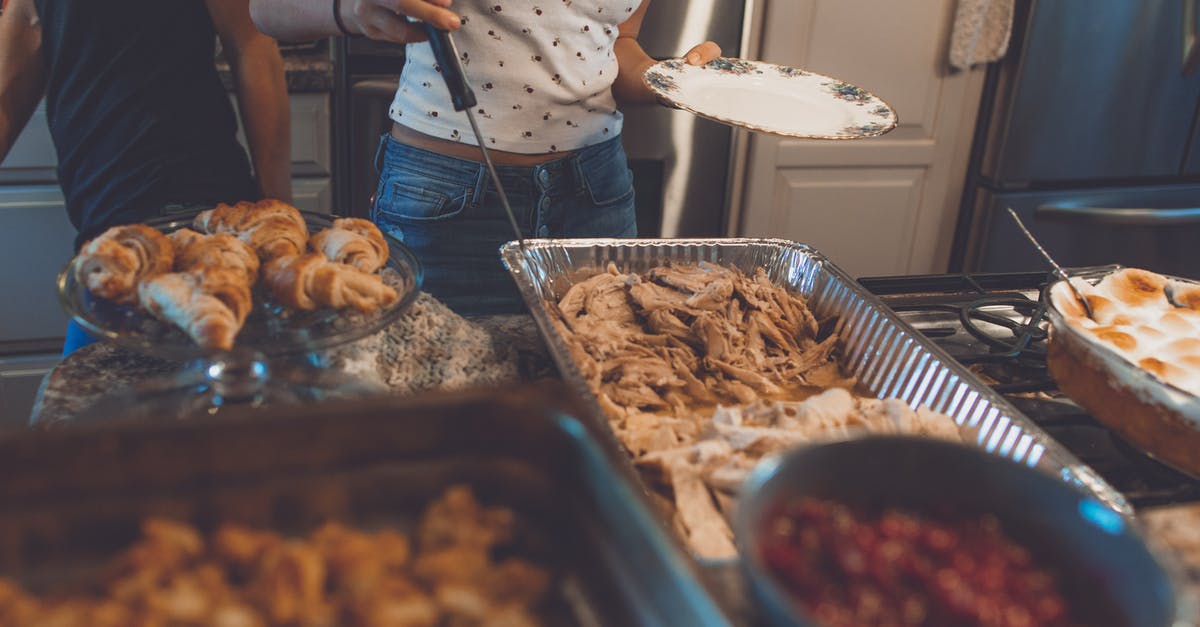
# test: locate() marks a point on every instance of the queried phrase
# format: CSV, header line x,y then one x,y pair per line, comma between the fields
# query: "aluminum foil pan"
x,y
889,357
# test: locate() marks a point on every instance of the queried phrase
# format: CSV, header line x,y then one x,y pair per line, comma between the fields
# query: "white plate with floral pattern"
x,y
771,98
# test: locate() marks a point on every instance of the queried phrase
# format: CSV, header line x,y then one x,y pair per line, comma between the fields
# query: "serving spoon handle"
x,y
1062,274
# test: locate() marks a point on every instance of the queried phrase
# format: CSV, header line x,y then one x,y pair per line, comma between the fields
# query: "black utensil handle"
x,y
446,55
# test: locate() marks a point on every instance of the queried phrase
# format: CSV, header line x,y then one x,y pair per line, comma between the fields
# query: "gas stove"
x,y
995,325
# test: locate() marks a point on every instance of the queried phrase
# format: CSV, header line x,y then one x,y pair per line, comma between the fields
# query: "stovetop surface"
x,y
995,325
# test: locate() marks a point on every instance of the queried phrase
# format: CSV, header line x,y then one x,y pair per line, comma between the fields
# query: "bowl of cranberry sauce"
x,y
897,530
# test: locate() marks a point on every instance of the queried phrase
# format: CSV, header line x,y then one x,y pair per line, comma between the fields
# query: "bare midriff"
x,y
459,150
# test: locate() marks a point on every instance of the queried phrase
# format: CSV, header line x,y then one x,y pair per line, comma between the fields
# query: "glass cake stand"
x,y
273,360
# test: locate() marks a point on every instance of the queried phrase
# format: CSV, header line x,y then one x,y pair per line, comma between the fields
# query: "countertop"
x,y
428,348
304,71
431,347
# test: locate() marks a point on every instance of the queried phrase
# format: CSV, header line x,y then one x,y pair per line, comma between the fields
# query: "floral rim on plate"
x,y
770,98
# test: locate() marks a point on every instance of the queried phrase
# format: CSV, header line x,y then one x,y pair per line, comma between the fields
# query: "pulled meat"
x,y
702,370
689,337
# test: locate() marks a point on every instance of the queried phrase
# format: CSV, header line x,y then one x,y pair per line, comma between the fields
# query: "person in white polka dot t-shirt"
x,y
548,75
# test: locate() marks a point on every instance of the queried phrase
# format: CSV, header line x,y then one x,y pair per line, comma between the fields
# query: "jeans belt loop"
x,y
380,151
577,170
479,189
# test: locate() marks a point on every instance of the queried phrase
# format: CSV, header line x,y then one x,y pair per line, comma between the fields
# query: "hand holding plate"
x,y
703,53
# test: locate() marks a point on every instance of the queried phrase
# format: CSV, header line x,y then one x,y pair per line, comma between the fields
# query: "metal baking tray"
x,y
74,497
889,357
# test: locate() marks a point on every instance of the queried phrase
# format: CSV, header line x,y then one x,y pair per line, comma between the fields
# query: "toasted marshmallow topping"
x,y
1150,320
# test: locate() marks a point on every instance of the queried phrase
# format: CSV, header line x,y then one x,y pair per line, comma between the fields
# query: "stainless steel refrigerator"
x,y
1089,131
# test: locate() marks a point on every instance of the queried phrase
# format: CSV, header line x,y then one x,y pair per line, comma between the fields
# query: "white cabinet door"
x,y
36,241
311,154
884,205
20,378
312,194
32,158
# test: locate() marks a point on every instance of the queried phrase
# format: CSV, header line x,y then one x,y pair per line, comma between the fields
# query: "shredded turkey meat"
x,y
702,370
446,574
686,338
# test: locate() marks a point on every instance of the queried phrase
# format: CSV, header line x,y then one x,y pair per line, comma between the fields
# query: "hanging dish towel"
x,y
981,32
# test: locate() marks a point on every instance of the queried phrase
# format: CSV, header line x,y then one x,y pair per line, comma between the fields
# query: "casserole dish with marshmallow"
x,y
1136,365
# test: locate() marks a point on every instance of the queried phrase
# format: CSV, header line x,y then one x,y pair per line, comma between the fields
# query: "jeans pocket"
x,y
408,196
608,181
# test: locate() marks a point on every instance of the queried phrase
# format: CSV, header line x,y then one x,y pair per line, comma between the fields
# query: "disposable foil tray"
x,y
73,498
889,357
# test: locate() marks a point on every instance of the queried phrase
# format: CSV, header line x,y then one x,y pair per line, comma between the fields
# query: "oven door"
x,y
1155,228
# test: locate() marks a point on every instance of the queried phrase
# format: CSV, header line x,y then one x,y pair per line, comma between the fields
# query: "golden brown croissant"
x,y
230,287
112,265
182,300
311,281
271,227
352,241
197,254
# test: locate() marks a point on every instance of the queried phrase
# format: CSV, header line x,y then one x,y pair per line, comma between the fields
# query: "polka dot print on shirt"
x,y
542,71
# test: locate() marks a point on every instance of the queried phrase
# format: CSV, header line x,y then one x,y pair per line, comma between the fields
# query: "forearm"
x,y
290,20
22,75
263,104
385,20
632,62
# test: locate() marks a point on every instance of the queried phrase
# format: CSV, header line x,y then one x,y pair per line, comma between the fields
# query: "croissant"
x,y
112,264
311,281
180,299
353,241
230,287
198,254
271,227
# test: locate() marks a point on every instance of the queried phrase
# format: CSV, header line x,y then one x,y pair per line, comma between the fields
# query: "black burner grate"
x,y
996,325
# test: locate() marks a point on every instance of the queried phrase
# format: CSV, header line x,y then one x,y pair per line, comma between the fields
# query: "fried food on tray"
x,y
271,227
703,370
311,281
352,241
445,575
112,264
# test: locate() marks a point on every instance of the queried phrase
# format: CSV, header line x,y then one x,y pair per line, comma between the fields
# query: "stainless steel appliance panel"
x,y
1096,91
1156,228
681,162
370,97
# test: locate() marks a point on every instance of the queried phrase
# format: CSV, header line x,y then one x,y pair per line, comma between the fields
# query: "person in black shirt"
x,y
140,120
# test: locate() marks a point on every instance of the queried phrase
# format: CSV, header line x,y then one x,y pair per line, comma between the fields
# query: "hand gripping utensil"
x,y
463,99
1062,274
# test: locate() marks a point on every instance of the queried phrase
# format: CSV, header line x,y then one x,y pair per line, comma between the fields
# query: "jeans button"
x,y
543,231
544,176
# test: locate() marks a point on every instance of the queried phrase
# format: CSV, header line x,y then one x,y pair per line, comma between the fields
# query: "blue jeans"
x,y
446,211
77,338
